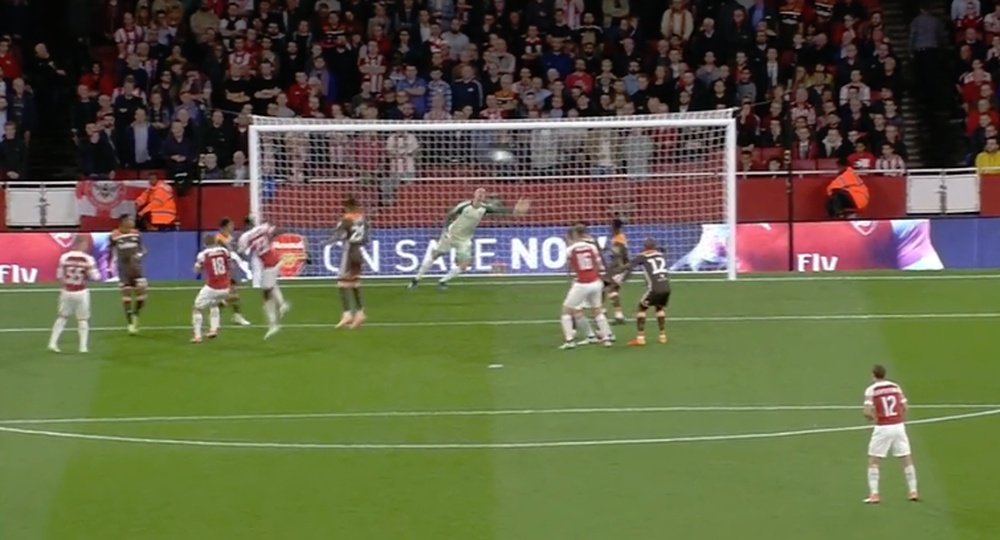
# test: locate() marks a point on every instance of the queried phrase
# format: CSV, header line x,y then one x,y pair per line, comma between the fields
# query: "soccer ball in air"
x,y
501,156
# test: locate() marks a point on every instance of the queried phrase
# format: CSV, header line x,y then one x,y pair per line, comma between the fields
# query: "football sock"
x,y
277,296
127,306
345,300
873,480
455,270
661,321
640,323
583,325
358,306
567,327
270,312
83,328
213,319
139,302
57,330
235,303
425,265
196,319
602,326
911,477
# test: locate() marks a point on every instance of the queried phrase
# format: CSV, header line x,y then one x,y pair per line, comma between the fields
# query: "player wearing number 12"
x,y
657,295
76,267
460,225
586,292
885,404
213,262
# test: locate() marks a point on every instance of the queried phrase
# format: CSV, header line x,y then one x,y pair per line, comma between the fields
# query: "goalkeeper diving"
x,y
459,226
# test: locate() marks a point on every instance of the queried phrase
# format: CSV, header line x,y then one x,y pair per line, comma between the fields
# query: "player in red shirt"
x,y
213,263
587,267
885,404
76,267
257,241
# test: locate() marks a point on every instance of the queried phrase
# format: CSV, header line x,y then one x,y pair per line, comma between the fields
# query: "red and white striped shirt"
x,y
75,269
214,263
887,400
257,241
128,38
585,261
892,164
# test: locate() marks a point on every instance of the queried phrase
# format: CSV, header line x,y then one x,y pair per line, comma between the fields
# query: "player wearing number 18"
x,y
885,404
76,267
586,292
213,262
657,295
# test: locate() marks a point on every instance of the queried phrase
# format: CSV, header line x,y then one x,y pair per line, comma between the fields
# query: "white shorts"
x,y
892,437
269,277
209,297
74,303
463,248
584,295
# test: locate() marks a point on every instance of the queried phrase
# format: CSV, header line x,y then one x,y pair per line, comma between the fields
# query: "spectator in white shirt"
x,y
677,21
890,161
864,91
959,8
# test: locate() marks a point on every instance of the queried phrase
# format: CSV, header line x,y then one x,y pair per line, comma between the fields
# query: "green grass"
x,y
754,343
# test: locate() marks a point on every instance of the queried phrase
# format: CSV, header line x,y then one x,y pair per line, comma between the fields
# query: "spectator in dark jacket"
x,y
467,92
179,151
218,138
13,154
141,144
84,110
97,156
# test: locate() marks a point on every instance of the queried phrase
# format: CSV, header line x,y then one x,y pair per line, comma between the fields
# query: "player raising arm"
x,y
76,267
459,227
257,241
584,259
213,262
224,238
128,251
352,232
657,295
885,404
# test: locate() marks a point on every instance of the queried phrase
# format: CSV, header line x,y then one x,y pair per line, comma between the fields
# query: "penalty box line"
x,y
363,446
534,322
489,280
473,413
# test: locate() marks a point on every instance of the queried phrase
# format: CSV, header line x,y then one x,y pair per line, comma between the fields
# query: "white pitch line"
x,y
490,281
472,413
534,322
475,445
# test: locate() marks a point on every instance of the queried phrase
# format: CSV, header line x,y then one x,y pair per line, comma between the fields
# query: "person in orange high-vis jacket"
x,y
847,194
157,205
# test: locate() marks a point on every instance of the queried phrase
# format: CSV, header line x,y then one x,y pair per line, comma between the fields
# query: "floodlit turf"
x,y
602,444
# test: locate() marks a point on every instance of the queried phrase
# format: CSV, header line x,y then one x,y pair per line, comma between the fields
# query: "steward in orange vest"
x,y
157,206
847,194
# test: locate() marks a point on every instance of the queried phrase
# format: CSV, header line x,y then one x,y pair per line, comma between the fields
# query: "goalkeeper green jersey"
x,y
464,218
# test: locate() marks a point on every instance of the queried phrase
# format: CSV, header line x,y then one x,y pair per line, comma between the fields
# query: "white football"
x,y
502,156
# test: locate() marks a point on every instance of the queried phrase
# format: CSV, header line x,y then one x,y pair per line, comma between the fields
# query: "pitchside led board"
x,y
832,246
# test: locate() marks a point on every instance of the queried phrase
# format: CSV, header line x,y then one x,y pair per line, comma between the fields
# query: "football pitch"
x,y
453,416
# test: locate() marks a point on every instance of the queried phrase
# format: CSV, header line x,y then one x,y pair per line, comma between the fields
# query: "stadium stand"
x,y
159,84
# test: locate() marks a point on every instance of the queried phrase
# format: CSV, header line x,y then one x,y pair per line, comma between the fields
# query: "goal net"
x,y
669,177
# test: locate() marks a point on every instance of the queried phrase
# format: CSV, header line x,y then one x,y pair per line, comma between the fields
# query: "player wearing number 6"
x,y
460,224
885,404
76,267
213,263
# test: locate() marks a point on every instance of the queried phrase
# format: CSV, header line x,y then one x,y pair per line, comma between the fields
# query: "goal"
x,y
670,177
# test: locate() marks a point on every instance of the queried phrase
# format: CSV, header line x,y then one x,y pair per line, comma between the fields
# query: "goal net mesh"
x,y
665,176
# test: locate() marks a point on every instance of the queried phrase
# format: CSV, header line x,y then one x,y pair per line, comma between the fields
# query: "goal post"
x,y
670,177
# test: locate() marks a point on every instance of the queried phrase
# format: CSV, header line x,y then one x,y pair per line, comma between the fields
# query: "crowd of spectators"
x,y
813,80
975,31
